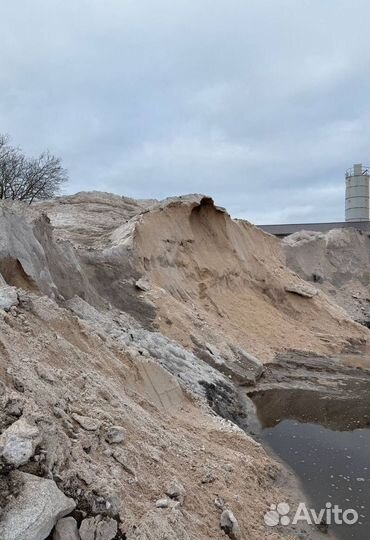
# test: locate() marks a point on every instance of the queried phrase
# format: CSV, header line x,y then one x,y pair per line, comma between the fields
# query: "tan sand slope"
x,y
226,282
212,279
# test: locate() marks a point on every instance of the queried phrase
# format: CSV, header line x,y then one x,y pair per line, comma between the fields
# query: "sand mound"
x,y
126,328
225,282
338,263
212,280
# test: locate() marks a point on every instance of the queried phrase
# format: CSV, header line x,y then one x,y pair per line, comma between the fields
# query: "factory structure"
x,y
357,194
357,207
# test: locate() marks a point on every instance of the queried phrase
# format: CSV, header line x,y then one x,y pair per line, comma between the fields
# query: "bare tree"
x,y
28,179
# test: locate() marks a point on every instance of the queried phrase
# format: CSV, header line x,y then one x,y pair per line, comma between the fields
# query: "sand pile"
x,y
126,328
107,422
337,263
210,279
224,282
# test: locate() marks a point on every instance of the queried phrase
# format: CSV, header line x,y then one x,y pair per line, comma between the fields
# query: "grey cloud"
x,y
262,103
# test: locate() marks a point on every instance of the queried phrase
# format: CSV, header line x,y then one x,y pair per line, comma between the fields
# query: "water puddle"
x,y
325,439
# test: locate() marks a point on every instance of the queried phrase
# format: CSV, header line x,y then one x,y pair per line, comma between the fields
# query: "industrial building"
x,y
357,207
357,194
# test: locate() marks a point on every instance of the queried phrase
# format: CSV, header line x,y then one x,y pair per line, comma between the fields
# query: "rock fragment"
x,y
14,406
33,514
176,490
162,503
45,374
302,290
17,451
90,424
66,529
115,434
229,525
208,478
143,284
8,297
219,503
98,528
18,443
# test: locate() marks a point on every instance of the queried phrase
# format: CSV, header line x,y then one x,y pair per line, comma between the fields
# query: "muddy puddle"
x,y
323,435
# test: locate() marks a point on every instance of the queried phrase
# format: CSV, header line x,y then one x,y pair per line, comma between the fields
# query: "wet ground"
x,y
319,425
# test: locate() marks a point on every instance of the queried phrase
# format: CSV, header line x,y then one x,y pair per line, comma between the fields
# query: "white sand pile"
x,y
338,263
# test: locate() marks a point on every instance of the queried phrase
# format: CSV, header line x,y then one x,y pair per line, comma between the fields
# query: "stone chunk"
x,y
8,297
162,503
229,525
45,374
143,284
17,451
66,529
302,290
115,434
33,514
90,424
176,490
98,528
18,442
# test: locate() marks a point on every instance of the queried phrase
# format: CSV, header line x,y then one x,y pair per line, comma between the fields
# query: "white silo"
x,y
357,193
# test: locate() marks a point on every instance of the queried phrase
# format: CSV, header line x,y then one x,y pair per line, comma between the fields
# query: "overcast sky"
x,y
261,104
